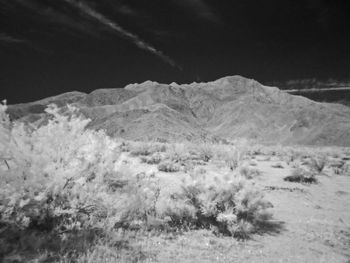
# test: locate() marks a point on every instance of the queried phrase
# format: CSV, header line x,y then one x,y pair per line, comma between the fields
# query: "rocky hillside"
x,y
228,108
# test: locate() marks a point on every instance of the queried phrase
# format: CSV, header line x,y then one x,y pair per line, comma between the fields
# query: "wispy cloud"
x,y
133,38
311,84
9,40
5,38
201,8
62,16
58,16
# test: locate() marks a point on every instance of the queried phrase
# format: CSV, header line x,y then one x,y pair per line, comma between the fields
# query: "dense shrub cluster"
x,y
229,203
56,171
65,182
55,177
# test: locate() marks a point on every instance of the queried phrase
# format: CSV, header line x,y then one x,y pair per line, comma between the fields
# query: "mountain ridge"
x,y
228,108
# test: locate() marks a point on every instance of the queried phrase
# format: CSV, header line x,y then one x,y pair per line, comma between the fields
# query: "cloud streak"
x,y
311,84
9,41
5,38
92,13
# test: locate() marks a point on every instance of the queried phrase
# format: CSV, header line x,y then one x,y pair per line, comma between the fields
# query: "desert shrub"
x,y
335,155
188,167
125,146
56,180
155,158
135,203
256,151
300,175
55,159
146,148
290,157
230,203
346,170
339,167
178,153
159,147
277,165
252,163
205,152
318,163
140,148
234,157
63,171
248,172
168,167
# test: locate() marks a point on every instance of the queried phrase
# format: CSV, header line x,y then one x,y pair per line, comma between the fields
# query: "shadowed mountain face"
x,y
228,108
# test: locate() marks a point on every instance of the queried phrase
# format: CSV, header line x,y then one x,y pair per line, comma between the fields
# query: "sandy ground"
x,y
313,224
316,218
312,221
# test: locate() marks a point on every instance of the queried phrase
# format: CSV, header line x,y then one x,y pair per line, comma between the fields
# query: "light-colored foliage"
x,y
52,167
73,183
229,202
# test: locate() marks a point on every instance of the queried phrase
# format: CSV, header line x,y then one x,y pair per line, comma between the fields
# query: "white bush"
x,y
51,167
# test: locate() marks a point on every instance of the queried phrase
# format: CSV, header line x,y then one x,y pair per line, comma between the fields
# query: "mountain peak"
x,y
141,86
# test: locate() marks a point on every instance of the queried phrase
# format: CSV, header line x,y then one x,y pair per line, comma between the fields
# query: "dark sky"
x,y
49,47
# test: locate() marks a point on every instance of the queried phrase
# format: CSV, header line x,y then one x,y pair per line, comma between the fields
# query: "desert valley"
x,y
225,171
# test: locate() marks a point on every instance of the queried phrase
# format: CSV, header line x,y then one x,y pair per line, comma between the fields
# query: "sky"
x,y
48,47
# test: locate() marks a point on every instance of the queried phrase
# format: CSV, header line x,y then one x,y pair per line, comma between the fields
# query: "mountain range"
x,y
226,109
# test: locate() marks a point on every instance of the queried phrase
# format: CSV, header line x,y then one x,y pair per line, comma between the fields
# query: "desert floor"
x,y
312,222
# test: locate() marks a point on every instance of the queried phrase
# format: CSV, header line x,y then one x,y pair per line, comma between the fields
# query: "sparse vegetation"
x,y
317,164
229,203
145,149
234,157
178,153
168,167
249,173
155,158
300,175
204,151
277,165
339,168
69,194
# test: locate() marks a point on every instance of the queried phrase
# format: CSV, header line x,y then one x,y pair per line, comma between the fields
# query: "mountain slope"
x,y
230,107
